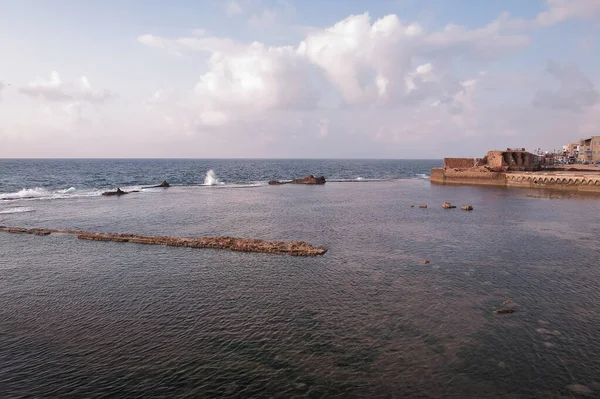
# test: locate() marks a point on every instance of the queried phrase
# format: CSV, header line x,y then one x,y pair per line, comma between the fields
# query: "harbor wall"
x,y
562,181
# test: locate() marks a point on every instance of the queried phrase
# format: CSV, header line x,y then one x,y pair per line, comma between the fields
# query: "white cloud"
x,y
259,78
233,7
55,90
575,90
374,62
561,10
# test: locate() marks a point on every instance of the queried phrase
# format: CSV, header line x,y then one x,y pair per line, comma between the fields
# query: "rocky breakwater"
x,y
294,248
310,179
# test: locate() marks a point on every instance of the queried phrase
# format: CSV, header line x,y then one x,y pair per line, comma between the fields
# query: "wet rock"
x,y
505,311
580,389
447,205
425,261
423,206
507,302
412,206
20,230
117,192
294,248
309,180
466,208
275,183
164,184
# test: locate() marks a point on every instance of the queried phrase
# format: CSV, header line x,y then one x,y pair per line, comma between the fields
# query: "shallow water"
x,y
367,319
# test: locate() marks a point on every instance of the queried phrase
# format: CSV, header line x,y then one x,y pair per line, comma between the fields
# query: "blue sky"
x,y
283,78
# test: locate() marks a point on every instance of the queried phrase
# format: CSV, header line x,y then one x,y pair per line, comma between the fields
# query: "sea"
x,y
403,304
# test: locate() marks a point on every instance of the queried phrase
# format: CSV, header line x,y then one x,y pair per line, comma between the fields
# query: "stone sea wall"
x,y
564,181
294,248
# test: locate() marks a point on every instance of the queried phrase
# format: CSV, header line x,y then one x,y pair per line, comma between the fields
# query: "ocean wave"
x,y
20,209
422,176
43,193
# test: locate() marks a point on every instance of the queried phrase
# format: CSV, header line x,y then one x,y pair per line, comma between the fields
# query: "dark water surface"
x,y
368,319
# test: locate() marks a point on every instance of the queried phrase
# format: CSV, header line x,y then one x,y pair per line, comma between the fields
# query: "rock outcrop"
x,y
447,205
117,192
294,248
310,179
164,184
466,208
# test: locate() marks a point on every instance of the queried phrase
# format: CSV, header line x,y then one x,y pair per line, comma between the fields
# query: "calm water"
x,y
368,319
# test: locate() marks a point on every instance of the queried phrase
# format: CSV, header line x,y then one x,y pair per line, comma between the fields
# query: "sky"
x,y
296,79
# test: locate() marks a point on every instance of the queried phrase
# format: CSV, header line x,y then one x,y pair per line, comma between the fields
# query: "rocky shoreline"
x,y
293,248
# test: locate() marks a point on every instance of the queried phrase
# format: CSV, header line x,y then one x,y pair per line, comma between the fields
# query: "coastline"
x,y
515,168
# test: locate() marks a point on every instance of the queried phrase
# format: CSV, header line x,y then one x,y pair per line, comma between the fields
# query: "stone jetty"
x,y
294,248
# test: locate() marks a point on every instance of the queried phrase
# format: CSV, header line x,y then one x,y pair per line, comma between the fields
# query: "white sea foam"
x,y
42,193
422,176
211,179
20,209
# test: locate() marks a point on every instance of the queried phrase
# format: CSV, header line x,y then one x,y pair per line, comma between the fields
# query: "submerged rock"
x,y
425,261
117,192
423,206
580,389
505,311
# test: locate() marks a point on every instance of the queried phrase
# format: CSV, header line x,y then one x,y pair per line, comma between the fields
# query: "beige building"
x,y
589,149
571,150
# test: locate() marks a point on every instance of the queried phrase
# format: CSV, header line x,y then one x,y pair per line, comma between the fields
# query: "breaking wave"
x,y
211,179
42,193
422,176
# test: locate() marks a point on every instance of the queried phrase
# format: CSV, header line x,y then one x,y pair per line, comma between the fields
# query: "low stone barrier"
x,y
294,248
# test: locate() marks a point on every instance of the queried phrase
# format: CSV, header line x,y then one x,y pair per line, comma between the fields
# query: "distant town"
x,y
585,151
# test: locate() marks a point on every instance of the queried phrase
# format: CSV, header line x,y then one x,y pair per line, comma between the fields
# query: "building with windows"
x,y
589,149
